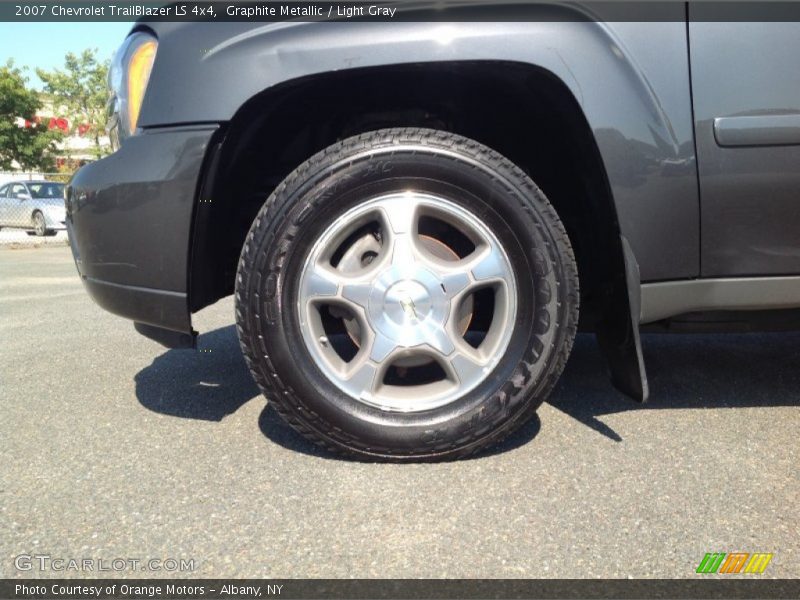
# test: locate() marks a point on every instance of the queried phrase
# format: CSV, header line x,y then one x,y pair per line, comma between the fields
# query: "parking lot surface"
x,y
116,447
20,238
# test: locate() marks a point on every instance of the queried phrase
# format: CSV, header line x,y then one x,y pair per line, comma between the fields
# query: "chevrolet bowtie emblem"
x,y
409,308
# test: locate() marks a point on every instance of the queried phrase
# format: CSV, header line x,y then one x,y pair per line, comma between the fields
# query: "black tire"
x,y
342,176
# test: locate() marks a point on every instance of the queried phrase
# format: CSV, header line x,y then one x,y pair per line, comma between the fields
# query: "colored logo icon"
x,y
734,562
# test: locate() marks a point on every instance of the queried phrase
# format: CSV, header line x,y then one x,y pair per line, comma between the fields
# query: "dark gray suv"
x,y
416,217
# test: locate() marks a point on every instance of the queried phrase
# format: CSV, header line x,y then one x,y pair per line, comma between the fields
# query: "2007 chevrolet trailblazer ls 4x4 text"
x,y
416,217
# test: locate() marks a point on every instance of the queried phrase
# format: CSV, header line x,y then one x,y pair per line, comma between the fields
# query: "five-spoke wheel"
x,y
399,275
406,294
39,224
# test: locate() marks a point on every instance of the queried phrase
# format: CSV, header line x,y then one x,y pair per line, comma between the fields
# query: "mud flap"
x,y
618,331
167,337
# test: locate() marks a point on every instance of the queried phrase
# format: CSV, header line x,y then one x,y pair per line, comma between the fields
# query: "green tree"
x,y
29,147
80,89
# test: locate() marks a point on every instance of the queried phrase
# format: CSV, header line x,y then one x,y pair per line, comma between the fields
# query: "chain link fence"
x,y
32,211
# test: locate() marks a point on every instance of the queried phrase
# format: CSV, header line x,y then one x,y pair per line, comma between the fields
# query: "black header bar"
x,y
273,11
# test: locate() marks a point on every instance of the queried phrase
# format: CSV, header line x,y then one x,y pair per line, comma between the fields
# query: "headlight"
x,y
127,79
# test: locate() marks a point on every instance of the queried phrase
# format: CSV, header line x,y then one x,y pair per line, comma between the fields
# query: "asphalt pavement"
x,y
114,447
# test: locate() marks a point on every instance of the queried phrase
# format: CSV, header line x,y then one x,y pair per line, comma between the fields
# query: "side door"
x,y
746,94
19,205
4,205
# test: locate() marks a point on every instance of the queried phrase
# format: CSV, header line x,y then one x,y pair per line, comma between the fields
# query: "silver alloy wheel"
x,y
406,299
39,225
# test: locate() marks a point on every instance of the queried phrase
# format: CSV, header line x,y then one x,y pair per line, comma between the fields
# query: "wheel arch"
x,y
251,157
630,80
537,123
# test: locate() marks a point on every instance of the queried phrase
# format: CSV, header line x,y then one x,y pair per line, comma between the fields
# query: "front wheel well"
x,y
519,110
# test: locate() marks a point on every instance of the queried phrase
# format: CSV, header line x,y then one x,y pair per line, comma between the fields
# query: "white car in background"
x,y
37,206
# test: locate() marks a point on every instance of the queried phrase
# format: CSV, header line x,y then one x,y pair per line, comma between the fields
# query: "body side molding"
x,y
671,298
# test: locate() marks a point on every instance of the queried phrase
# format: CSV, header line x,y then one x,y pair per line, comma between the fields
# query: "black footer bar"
x,y
398,589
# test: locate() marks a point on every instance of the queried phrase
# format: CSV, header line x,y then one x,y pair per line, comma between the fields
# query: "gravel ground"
x,y
115,447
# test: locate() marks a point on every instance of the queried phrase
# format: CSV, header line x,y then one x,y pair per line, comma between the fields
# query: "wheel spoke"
x,y
381,347
438,339
320,282
485,265
454,281
400,213
464,362
362,378
489,265
356,292
323,283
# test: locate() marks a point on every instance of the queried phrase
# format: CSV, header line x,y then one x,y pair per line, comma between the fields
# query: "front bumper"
x,y
129,219
55,221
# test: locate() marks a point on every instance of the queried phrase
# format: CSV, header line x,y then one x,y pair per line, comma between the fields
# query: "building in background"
x,y
78,144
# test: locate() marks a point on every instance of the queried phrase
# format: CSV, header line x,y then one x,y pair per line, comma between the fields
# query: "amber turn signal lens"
x,y
139,67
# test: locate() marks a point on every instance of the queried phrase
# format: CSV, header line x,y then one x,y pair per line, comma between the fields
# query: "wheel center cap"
x,y
407,302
